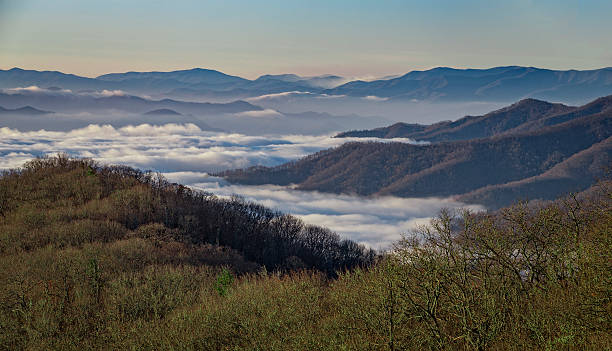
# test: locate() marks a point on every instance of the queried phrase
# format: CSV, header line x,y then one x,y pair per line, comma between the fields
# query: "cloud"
x,y
109,93
288,94
177,147
277,95
263,113
377,222
58,91
187,154
375,98
36,90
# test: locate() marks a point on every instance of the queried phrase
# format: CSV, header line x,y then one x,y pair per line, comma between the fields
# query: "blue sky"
x,y
348,37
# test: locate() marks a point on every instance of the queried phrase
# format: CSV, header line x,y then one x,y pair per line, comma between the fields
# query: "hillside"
x,y
577,172
523,116
65,196
441,169
113,258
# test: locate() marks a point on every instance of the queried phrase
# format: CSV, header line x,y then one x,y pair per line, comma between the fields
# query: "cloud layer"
x,y
169,147
186,154
376,222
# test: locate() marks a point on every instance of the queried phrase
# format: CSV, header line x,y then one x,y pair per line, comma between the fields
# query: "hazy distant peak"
x,y
282,77
190,76
163,112
26,110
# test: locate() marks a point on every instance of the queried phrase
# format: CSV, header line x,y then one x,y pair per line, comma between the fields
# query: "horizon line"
x,y
374,77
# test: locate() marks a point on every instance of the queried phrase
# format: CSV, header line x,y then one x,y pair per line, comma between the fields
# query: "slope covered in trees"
x,y
455,168
523,116
72,202
112,258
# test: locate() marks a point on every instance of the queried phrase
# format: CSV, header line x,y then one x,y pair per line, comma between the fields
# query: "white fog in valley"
x,y
376,222
185,154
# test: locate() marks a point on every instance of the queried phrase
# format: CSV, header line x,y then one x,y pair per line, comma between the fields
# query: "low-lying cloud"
x,y
377,222
187,154
293,94
263,113
169,147
33,89
375,98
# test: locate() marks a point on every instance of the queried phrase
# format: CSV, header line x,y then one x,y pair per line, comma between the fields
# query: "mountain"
x,y
196,82
17,77
190,76
324,81
162,112
74,103
26,110
448,168
495,84
166,81
525,115
470,127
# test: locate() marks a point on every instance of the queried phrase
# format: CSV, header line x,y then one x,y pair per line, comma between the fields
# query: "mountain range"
x,y
495,84
531,149
69,102
442,84
77,110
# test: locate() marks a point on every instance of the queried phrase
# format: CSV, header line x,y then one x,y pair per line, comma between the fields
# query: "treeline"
x,y
132,198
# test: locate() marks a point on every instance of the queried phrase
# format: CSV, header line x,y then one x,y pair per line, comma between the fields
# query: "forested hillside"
x,y
68,202
460,167
113,258
524,116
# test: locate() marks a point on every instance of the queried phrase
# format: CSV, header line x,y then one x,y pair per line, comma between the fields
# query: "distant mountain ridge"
x,y
500,84
26,110
118,102
509,83
162,112
495,170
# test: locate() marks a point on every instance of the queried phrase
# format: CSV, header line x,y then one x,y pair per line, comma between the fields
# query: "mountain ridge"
x,y
501,84
447,168
25,110
524,115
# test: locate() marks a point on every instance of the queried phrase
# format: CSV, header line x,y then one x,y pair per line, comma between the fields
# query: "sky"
x,y
353,38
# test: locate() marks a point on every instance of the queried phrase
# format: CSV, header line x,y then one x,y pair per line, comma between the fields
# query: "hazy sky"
x,y
348,37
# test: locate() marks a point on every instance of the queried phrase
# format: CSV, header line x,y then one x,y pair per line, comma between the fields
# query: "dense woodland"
x,y
113,258
53,194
